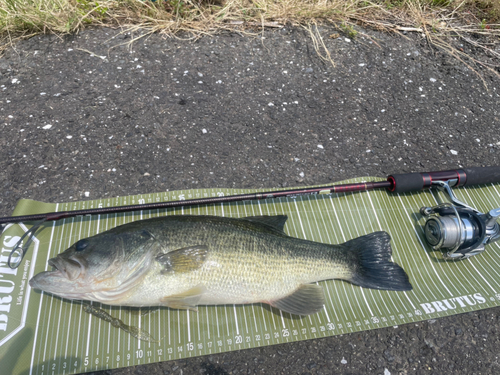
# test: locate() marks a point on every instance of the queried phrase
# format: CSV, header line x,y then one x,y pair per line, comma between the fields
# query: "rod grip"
x,y
481,175
406,182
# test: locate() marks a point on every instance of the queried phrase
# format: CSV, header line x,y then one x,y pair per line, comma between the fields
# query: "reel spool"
x,y
458,228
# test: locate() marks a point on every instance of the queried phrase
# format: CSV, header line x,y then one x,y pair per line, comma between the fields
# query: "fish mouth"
x,y
71,269
62,280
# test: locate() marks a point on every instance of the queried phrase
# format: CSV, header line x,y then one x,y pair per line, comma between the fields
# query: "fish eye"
x,y
81,245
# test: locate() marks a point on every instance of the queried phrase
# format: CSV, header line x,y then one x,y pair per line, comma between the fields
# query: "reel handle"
x,y
408,182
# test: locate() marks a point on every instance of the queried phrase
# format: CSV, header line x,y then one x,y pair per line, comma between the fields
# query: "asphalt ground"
x,y
102,114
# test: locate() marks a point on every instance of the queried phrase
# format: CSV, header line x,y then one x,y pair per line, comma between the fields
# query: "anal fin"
x,y
185,301
306,300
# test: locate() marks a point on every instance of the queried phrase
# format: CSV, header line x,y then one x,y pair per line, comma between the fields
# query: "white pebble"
x,y
433,79
270,104
204,131
69,136
387,372
320,146
453,152
343,361
15,80
301,174
46,127
87,194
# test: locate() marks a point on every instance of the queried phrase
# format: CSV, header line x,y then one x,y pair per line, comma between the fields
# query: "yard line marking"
x,y
428,258
42,298
392,258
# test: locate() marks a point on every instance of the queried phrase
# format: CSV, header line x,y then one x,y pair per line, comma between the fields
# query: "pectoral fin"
x,y
183,260
185,301
307,299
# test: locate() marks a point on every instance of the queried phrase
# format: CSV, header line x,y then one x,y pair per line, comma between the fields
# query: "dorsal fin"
x,y
276,222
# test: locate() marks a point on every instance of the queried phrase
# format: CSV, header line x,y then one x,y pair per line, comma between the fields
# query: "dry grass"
x,y
69,16
437,20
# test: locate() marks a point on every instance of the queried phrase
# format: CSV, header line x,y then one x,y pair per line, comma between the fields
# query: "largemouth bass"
x,y
185,261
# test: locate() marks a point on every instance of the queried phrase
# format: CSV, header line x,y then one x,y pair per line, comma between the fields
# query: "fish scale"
x,y
245,260
185,261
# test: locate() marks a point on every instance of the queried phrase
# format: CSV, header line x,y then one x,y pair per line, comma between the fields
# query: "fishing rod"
x,y
395,183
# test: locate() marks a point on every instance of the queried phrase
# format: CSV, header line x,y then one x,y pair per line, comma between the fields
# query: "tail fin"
x,y
373,267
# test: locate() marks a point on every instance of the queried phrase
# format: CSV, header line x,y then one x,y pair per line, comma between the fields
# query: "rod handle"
x,y
408,182
482,175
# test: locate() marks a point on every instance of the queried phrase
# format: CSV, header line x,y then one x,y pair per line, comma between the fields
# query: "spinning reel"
x,y
458,228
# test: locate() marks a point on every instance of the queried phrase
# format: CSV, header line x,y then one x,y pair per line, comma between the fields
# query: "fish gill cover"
x,y
43,334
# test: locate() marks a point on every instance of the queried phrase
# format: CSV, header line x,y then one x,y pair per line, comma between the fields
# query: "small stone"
x,y
453,152
311,365
388,355
309,70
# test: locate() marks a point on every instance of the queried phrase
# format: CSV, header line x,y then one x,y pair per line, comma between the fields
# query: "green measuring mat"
x,y
41,334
